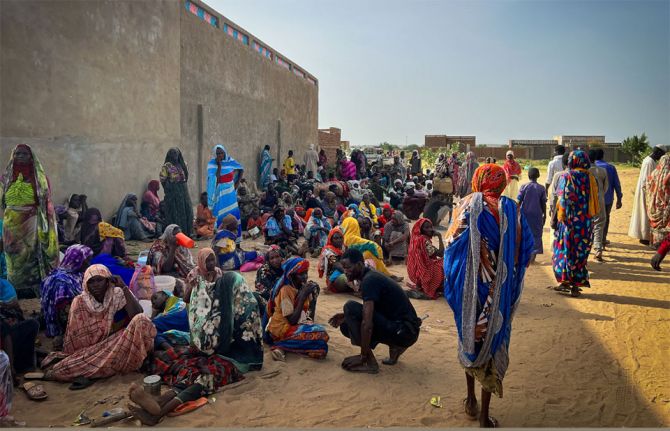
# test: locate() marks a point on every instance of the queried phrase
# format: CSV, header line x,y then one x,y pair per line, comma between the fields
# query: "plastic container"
x,y
164,282
184,241
146,307
142,258
152,385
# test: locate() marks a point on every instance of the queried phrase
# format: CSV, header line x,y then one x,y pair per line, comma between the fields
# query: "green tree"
x,y
637,147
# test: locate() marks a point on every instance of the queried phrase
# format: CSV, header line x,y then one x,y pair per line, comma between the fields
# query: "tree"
x,y
637,147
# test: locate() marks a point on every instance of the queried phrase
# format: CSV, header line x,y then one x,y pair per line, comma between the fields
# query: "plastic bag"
x,y
142,284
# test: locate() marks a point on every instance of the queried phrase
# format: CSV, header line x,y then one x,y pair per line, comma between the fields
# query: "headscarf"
x,y
151,195
353,239
578,165
420,266
657,193
114,298
228,164
185,254
491,180
87,226
294,265
27,170
121,218
203,254
106,230
177,161
75,255
328,249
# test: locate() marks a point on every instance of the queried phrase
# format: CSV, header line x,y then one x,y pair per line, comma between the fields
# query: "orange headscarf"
x,y
490,180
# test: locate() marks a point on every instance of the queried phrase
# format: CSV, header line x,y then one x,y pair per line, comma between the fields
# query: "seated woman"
x,y
329,263
167,257
101,237
170,317
269,199
60,288
368,209
316,232
424,261
151,199
395,238
72,219
129,220
92,349
387,213
225,319
371,251
206,269
230,254
204,219
291,312
271,271
279,231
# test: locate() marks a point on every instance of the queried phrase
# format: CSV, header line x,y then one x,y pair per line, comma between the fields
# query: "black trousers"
x,y
384,331
608,209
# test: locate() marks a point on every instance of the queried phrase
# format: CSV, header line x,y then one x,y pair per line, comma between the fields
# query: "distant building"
x,y
329,141
574,141
465,143
531,142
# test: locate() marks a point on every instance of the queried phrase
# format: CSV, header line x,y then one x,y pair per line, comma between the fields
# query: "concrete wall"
x,y
93,87
243,95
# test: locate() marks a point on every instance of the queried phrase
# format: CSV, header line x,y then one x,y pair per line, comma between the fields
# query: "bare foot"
x,y
471,408
144,400
143,416
394,354
489,422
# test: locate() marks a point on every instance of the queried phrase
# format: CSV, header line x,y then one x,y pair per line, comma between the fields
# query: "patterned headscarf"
x,y
490,180
75,255
329,248
114,297
106,230
579,161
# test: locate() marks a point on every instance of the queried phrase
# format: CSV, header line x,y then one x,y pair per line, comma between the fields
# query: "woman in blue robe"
x,y
223,176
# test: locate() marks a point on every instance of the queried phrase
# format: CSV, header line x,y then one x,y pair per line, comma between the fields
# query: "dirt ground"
x,y
595,361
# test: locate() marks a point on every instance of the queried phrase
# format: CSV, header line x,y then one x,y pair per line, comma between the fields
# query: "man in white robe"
x,y
639,222
311,159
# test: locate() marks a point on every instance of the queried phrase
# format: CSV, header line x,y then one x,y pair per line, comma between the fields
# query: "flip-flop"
x,y
80,383
37,375
188,407
494,422
35,391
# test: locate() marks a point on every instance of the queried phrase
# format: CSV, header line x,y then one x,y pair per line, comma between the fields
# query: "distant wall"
x,y
244,96
91,87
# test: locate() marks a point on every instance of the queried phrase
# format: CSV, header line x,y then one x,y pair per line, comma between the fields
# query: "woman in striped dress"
x,y
223,176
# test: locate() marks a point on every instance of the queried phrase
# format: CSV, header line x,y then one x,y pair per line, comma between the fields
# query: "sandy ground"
x,y
598,360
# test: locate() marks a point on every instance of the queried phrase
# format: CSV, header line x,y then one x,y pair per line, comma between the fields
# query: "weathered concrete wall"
x,y
93,87
243,95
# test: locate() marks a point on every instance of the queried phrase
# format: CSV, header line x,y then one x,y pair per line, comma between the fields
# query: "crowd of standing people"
x,y
357,220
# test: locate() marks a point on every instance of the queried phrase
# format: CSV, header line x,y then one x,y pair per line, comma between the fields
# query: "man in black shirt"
x,y
386,316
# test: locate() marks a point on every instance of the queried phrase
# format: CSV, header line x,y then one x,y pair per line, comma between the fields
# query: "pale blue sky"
x,y
394,70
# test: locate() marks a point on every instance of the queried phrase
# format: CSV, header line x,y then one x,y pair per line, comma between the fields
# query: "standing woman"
x,y
29,235
223,176
265,170
466,172
174,178
657,196
512,171
577,204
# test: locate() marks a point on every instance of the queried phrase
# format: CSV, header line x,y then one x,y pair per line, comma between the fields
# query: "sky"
x,y
395,70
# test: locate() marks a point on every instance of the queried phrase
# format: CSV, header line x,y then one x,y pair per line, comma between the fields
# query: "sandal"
x,y
472,416
188,407
35,391
494,422
575,291
80,383
37,375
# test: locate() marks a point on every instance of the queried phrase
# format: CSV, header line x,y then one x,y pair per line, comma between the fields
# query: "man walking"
x,y
614,186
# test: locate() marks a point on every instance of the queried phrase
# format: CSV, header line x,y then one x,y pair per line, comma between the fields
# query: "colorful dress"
x,y
424,266
336,280
225,319
61,287
221,190
533,200
468,169
265,170
577,204
230,256
174,177
183,260
91,348
488,248
657,196
305,338
512,171
29,233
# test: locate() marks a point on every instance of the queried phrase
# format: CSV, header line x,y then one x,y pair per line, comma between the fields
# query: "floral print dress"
x,y
225,319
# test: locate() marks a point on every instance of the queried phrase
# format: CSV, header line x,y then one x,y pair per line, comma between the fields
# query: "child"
x,y
204,219
255,224
533,202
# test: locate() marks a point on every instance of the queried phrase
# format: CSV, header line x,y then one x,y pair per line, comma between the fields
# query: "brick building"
x,y
465,143
329,141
